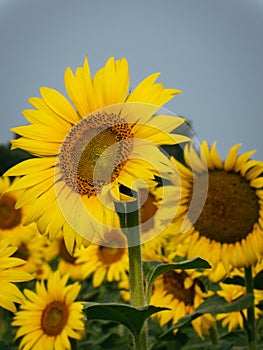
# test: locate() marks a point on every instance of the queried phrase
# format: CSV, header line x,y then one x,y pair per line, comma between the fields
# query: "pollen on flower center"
x,y
231,208
54,318
9,216
85,165
174,284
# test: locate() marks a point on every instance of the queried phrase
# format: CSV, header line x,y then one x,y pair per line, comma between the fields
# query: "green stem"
x,y
130,222
251,324
213,331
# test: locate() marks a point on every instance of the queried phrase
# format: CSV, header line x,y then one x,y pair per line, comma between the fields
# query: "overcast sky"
x,y
210,49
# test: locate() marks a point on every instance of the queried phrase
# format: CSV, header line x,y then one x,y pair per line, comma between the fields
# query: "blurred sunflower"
x,y
50,316
42,271
9,293
70,263
180,292
157,210
86,150
232,292
228,228
106,262
11,219
30,246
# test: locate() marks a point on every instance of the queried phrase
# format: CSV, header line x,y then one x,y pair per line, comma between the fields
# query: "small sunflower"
x,y
104,261
228,228
180,292
50,316
232,292
106,137
157,210
70,263
9,293
11,218
30,247
42,271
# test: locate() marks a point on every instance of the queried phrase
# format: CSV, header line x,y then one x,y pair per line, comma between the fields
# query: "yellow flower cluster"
x,y
58,213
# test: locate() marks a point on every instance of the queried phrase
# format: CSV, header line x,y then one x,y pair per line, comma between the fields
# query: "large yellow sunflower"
x,y
228,226
86,149
180,292
50,316
9,293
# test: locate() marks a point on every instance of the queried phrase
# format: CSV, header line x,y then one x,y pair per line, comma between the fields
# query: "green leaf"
x,y
258,281
3,346
157,270
214,305
238,280
131,317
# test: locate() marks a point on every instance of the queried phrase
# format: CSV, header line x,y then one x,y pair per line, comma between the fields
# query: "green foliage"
x,y
131,317
258,281
156,269
10,158
214,305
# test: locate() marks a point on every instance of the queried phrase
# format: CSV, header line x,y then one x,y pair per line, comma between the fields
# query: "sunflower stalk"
x,y
130,222
213,332
251,323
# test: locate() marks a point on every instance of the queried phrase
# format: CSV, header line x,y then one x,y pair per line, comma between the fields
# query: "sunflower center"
x,y
147,212
54,318
231,208
63,252
9,216
92,154
109,255
174,284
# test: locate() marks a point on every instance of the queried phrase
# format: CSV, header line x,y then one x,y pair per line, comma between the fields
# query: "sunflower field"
x,y
120,230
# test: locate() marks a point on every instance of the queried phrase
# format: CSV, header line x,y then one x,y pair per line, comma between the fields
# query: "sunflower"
x,y
42,271
180,292
157,210
70,263
232,292
85,150
104,261
30,247
9,293
11,219
221,206
50,316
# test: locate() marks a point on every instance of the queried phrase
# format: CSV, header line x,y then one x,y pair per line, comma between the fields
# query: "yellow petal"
x,y
59,104
45,116
215,157
231,159
29,165
40,132
36,147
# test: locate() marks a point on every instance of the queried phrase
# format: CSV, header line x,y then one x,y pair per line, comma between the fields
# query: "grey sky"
x,y
211,49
